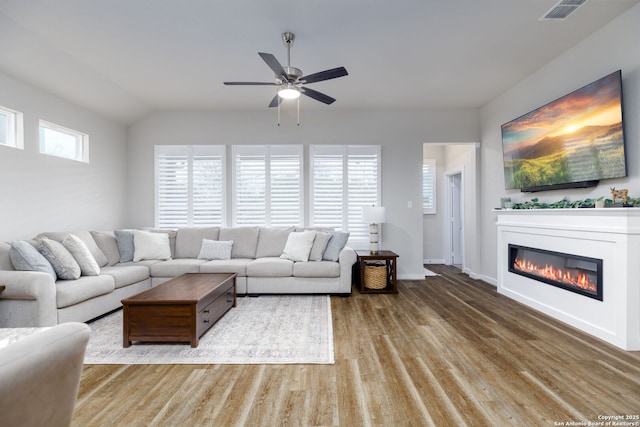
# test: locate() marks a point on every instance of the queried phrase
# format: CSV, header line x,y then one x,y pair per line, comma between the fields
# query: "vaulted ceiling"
x,y
128,58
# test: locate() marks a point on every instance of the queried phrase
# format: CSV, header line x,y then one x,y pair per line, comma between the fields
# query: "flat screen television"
x,y
572,142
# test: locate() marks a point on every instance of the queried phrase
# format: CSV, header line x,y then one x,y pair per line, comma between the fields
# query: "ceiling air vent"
x,y
562,10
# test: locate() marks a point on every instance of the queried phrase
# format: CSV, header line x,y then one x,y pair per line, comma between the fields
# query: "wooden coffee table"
x,y
179,310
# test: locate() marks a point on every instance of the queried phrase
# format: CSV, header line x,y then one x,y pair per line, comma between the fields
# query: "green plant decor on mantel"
x,y
567,204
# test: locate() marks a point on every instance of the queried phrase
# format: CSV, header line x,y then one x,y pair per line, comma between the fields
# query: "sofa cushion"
x,y
82,255
106,241
124,239
126,275
245,240
270,267
70,292
148,245
25,257
64,264
319,246
298,246
316,269
85,236
189,240
337,242
215,249
175,267
235,265
271,241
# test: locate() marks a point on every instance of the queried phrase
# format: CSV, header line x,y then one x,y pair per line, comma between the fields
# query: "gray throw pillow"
x,y
337,242
319,245
106,241
124,239
25,257
61,260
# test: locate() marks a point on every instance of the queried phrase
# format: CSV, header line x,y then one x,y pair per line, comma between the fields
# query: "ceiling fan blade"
x,y
325,75
273,63
275,101
317,95
249,84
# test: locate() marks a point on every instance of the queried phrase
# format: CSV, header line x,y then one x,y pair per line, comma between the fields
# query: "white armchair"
x,y
40,376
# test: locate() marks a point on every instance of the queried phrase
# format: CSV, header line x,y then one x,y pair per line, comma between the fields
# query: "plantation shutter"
x,y
267,185
189,185
344,179
429,186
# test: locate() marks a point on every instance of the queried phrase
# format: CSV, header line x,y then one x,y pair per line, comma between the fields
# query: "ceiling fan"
x,y
290,80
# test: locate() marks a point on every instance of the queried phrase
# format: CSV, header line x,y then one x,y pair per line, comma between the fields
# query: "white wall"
x,y
44,193
400,133
613,47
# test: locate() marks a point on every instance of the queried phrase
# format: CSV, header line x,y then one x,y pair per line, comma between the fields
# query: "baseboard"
x,y
433,261
489,280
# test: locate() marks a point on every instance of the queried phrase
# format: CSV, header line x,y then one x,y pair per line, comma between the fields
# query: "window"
x,y
267,185
429,186
11,127
190,185
63,142
343,180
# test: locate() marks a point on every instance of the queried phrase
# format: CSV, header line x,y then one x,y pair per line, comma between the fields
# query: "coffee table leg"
x,y
125,327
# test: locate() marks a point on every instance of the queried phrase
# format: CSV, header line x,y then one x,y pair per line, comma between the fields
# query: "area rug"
x,y
291,329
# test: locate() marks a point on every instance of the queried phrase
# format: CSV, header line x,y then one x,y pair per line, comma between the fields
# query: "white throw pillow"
x,y
299,246
149,245
80,251
215,249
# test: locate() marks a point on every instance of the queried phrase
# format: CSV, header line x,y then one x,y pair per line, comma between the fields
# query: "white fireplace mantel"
x,y
610,234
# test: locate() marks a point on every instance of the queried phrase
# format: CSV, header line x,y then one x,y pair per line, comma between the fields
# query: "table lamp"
x,y
373,215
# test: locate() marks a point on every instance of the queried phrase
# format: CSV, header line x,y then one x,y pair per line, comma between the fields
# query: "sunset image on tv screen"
x,y
576,138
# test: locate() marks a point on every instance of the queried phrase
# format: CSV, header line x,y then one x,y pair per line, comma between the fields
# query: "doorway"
x,y
454,218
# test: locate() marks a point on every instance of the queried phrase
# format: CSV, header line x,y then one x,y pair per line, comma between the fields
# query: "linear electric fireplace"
x,y
579,274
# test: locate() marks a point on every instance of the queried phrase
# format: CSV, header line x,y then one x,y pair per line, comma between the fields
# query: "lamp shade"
x,y
373,214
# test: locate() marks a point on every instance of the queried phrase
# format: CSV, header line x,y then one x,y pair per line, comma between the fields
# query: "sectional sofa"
x,y
112,265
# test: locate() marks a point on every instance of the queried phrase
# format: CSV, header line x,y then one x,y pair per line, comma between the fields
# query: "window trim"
x,y
81,141
15,128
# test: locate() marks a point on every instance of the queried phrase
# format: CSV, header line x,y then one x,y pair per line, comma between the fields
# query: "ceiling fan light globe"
x,y
289,93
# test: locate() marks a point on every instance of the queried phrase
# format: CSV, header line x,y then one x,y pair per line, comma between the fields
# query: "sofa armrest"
x,y
346,259
28,300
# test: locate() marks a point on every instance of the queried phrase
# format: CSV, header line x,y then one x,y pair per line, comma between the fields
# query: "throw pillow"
x,y
337,242
61,260
124,240
25,257
298,246
215,249
106,241
80,251
319,246
150,245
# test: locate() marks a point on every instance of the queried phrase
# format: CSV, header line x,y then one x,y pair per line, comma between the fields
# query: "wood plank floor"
x,y
445,351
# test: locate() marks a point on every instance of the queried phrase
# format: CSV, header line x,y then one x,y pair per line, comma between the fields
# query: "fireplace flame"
x,y
577,279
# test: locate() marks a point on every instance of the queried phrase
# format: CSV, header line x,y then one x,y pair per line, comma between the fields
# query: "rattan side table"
x,y
388,259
